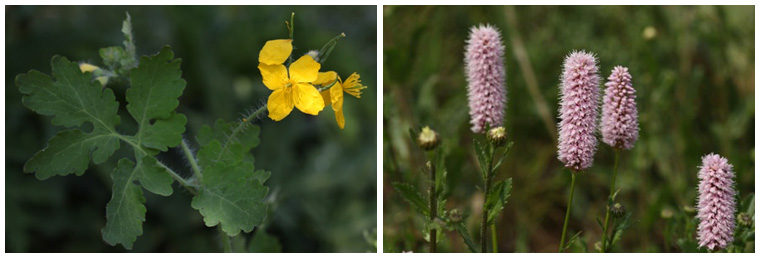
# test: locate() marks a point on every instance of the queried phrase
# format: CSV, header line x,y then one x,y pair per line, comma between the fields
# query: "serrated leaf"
x,y
246,137
411,195
507,149
125,211
497,198
462,230
233,196
156,84
482,158
72,99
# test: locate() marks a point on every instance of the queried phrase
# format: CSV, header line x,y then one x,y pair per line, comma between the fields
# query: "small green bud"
x,y
455,216
744,220
428,139
666,213
497,136
618,210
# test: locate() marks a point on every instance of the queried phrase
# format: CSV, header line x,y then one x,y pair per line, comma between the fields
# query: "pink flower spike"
x,y
716,204
579,107
620,125
484,65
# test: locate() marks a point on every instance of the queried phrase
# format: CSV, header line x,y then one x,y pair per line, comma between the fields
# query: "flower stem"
x,y
609,202
190,157
226,246
567,213
433,207
486,189
494,242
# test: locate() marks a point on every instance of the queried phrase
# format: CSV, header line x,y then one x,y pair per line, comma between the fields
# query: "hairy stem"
x,y
486,188
609,202
182,181
567,213
433,207
190,157
240,127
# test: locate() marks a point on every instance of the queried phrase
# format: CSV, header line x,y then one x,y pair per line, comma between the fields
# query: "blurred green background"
x,y
323,183
693,68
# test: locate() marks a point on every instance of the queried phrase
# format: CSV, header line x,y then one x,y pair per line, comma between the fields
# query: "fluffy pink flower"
x,y
620,125
484,65
579,107
716,204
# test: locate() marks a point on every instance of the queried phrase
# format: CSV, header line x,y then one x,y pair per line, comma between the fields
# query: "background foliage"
x,y
322,186
693,68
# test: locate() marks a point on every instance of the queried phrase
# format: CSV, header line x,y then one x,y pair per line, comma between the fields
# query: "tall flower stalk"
x,y
486,93
620,129
579,96
716,204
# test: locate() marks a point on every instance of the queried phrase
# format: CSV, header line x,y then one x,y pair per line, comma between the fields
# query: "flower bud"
x,y
428,139
455,216
666,213
618,210
691,211
744,220
85,67
497,136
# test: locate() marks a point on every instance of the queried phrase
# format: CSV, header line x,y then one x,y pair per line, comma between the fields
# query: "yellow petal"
x,y
276,51
307,98
340,119
326,78
280,103
325,97
305,69
274,76
353,85
336,97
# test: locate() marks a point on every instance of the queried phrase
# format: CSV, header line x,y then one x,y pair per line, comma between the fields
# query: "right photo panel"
x,y
568,129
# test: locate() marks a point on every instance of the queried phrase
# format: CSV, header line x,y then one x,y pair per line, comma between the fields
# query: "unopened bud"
x,y
666,213
428,139
85,67
744,220
497,136
618,210
455,216
102,79
689,210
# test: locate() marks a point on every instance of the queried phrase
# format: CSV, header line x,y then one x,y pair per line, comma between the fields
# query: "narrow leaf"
x,y
411,195
497,198
462,230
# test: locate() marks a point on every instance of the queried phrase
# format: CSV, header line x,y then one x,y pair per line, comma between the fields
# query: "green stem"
x,y
609,202
239,128
494,242
190,157
486,188
567,213
225,240
188,186
433,207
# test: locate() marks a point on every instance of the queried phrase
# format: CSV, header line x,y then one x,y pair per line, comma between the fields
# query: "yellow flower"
x,y
291,86
334,95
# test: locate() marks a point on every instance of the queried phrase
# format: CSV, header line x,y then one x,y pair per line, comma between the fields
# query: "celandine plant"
x,y
228,191
579,98
486,92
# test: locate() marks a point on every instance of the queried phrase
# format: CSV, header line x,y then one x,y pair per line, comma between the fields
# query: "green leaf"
x,y
507,149
411,195
480,152
156,84
125,211
235,140
462,230
72,99
232,195
497,198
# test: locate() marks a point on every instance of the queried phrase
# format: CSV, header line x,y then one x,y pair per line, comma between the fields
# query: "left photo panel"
x,y
191,129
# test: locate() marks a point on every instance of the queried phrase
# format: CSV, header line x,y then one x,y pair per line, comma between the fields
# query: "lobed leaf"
x,y
72,99
156,84
233,195
125,211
